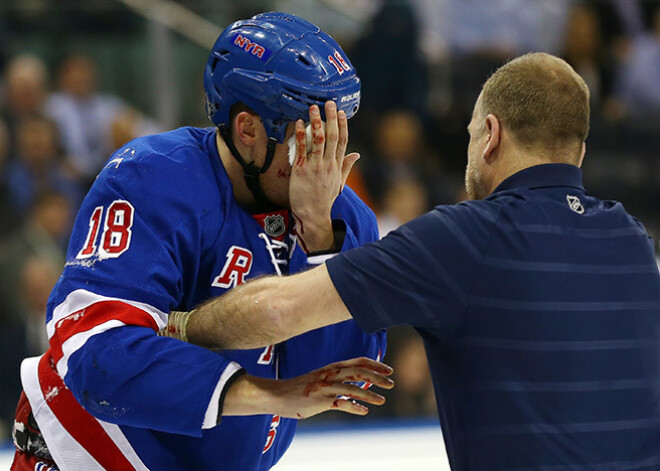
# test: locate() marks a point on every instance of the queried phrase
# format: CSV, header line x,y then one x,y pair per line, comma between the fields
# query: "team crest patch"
x,y
274,225
575,204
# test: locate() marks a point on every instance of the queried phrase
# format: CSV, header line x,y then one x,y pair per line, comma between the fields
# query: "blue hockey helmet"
x,y
279,65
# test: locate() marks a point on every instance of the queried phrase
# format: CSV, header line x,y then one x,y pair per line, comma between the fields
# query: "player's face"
x,y
474,178
275,182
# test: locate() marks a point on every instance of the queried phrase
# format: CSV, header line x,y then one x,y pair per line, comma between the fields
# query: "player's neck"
x,y
241,192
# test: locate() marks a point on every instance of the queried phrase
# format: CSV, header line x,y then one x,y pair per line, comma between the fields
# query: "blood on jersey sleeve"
x,y
133,257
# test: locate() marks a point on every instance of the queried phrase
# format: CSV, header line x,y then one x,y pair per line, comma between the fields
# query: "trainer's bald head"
x,y
542,102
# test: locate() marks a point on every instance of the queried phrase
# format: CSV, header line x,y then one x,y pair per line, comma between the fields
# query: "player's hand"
x,y
328,388
318,177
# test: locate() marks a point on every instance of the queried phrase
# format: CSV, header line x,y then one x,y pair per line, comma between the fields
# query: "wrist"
x,y
315,234
177,325
339,235
250,395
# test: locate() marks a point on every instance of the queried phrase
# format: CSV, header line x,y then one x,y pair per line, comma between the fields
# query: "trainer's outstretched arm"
x,y
266,311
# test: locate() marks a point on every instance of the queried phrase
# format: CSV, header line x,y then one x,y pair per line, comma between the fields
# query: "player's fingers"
x,y
354,392
318,135
357,375
349,406
301,146
342,141
331,130
364,362
346,167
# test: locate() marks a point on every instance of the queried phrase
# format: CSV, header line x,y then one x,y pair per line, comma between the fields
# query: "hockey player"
x,y
177,218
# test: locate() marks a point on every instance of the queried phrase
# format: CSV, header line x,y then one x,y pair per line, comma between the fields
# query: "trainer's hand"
x,y
328,388
318,177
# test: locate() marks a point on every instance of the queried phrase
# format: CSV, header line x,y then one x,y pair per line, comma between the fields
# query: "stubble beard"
x,y
474,184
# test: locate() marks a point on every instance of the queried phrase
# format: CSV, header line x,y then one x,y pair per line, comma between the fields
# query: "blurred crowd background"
x,y
79,79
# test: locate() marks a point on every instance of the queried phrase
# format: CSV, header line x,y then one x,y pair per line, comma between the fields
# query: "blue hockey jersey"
x,y
160,231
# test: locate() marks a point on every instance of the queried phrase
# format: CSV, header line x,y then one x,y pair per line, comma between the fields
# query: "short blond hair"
x,y
540,100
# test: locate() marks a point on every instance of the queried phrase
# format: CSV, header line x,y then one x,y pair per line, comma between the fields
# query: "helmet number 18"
x,y
339,62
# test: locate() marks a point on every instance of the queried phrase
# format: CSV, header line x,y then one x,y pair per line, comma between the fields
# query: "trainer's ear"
x,y
582,152
245,128
493,135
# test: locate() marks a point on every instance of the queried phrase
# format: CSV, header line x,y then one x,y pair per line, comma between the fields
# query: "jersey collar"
x,y
543,176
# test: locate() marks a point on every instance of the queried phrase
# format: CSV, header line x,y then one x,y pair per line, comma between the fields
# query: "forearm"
x,y
243,318
266,311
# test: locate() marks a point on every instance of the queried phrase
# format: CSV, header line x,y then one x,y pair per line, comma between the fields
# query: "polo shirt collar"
x,y
543,176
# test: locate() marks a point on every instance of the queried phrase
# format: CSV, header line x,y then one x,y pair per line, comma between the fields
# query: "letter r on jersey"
x,y
237,266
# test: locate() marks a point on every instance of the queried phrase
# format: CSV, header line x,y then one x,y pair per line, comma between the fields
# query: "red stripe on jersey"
x,y
84,428
96,314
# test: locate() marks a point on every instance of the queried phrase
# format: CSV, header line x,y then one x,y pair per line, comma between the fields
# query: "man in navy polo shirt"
x,y
539,305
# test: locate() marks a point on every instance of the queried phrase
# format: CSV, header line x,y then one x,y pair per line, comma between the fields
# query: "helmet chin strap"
x,y
251,172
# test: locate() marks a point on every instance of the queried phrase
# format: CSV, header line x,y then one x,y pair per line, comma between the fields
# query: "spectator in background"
x,y
41,236
481,34
30,259
38,165
8,218
129,124
636,85
25,90
26,334
463,42
37,279
584,51
401,154
404,200
397,145
83,115
504,27
392,68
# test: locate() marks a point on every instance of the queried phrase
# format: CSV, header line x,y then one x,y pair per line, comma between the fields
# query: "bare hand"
x,y
318,177
328,388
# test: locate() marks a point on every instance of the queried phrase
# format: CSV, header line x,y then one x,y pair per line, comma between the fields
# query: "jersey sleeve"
x,y
134,247
420,274
345,340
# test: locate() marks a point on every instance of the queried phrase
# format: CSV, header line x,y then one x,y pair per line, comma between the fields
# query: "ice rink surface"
x,y
418,447
390,447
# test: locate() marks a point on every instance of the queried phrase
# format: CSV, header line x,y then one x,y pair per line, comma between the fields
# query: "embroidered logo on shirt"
x,y
575,204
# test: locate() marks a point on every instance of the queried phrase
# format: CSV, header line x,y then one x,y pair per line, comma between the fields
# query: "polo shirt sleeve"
x,y
419,275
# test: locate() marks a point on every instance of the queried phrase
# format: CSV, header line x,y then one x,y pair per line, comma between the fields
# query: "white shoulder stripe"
x,y
77,341
80,299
